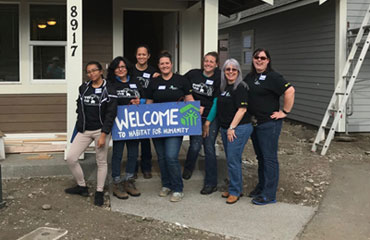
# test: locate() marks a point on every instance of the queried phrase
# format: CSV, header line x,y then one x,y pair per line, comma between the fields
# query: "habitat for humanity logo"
x,y
190,115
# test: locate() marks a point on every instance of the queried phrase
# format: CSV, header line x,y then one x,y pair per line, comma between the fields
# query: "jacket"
x,y
107,107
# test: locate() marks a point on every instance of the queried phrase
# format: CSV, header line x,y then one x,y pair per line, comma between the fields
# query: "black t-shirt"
x,y
171,90
205,89
228,103
91,101
265,90
143,77
128,90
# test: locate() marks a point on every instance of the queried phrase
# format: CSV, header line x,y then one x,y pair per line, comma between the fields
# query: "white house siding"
x,y
302,46
359,121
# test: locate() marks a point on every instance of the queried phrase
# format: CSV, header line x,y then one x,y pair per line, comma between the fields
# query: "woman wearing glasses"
x,y
205,85
235,124
96,110
128,92
169,87
265,88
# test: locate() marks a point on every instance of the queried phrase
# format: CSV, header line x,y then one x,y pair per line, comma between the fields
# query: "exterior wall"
x,y
359,102
45,110
33,113
302,46
97,34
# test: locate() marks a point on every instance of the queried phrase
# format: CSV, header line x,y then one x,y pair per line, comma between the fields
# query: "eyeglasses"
x,y
120,67
261,58
231,70
92,71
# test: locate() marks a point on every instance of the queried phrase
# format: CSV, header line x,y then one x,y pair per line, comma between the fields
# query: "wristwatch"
x,y
285,112
231,128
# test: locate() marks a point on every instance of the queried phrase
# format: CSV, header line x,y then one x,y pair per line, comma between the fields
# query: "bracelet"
x,y
286,113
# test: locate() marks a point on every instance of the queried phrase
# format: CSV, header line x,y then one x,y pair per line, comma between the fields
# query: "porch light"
x,y
41,25
51,22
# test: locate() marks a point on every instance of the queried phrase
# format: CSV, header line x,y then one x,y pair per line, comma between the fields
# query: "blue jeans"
x,y
132,153
168,149
146,156
265,140
234,151
210,154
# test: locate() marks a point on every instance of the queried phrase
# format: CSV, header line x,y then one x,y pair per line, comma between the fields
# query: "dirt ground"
x,y
304,178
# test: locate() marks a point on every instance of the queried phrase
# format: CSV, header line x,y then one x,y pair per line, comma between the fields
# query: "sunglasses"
x,y
231,70
261,58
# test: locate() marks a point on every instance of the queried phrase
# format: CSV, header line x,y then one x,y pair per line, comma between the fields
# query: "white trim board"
x,y
244,18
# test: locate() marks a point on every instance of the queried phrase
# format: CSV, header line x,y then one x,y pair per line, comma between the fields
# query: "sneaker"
x,y
256,192
177,196
259,200
186,174
119,191
78,190
129,186
208,190
147,175
99,198
164,192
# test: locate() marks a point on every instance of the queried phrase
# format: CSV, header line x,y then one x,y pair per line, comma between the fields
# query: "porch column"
x,y
74,65
340,53
210,26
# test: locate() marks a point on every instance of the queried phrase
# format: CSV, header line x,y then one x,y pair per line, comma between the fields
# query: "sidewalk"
x,y
345,210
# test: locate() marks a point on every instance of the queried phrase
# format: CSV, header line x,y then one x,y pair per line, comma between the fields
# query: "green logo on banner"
x,y
191,116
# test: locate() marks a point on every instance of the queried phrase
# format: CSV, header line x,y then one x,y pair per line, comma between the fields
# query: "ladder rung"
x,y
332,110
319,144
339,93
326,127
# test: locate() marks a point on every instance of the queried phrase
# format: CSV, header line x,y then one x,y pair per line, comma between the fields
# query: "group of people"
x,y
237,108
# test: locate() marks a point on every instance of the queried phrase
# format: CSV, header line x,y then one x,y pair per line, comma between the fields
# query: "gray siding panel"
x,y
302,46
359,121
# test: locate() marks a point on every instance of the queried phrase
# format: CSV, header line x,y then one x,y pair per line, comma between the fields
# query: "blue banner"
x,y
157,120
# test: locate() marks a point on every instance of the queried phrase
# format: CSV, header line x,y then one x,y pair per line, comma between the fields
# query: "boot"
x,y
130,188
119,191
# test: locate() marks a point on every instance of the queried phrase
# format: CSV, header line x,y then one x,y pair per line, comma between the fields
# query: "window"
x,y
223,49
9,42
48,34
247,49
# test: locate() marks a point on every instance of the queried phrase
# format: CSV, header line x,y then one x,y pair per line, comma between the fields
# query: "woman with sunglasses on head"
x,y
96,111
265,88
143,73
205,85
128,91
169,87
235,125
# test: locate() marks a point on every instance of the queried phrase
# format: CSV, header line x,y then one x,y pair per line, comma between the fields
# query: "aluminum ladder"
x,y
349,73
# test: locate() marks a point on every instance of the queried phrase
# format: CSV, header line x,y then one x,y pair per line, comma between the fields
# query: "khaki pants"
x,y
79,145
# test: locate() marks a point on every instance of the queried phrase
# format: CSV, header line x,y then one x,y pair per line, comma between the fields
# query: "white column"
x,y
210,26
340,52
74,67
117,29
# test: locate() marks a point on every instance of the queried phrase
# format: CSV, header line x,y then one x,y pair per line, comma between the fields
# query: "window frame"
x,y
48,43
247,65
19,82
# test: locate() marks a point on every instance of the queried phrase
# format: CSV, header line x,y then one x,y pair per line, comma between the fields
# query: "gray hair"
x,y
239,80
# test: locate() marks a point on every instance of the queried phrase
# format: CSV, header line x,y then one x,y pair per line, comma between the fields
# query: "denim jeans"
x,y
146,156
265,140
132,153
234,151
168,149
209,151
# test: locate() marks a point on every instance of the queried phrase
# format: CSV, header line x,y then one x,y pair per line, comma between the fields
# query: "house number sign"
x,y
74,26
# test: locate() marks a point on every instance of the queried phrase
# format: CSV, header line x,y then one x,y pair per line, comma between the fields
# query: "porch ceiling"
x,y
228,7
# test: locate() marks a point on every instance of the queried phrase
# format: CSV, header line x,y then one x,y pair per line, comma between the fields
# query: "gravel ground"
x,y
304,178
